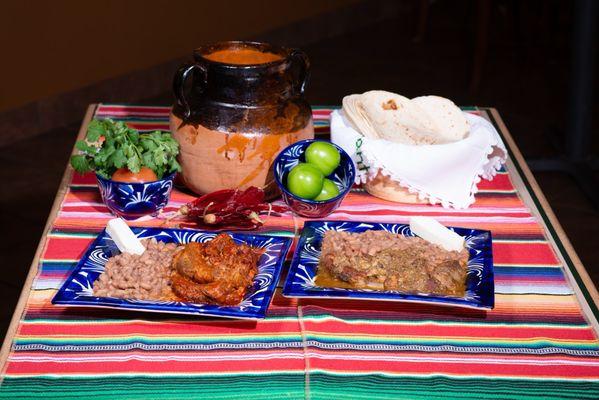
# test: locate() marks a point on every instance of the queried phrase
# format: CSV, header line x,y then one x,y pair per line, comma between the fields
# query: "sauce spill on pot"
x,y
265,148
242,56
235,141
268,147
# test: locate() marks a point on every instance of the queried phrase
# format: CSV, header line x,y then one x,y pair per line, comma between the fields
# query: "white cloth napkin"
x,y
440,173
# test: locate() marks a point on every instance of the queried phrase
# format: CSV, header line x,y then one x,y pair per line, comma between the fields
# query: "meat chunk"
x,y
191,263
386,261
216,272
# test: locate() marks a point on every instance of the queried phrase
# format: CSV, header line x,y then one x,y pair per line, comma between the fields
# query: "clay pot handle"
x,y
179,81
303,62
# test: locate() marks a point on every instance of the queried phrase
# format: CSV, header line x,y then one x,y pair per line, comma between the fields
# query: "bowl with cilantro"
x,y
134,170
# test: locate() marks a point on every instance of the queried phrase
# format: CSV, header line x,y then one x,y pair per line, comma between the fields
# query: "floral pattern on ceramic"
x,y
302,272
134,200
343,177
77,290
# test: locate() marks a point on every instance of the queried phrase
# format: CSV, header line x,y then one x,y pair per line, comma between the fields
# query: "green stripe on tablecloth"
x,y
340,387
65,233
325,107
289,386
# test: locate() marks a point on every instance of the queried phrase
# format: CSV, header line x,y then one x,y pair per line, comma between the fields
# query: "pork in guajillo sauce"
x,y
382,260
217,272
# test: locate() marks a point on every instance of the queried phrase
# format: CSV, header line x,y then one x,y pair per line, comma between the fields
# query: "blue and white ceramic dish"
x,y
343,176
78,288
134,200
301,277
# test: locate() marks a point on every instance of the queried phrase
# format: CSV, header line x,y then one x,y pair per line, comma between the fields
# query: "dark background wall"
x,y
51,47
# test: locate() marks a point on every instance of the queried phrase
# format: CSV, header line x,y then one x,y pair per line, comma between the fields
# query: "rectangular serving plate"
x,y
77,290
300,282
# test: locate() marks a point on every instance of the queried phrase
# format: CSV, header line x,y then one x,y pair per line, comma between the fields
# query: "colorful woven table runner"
x,y
536,343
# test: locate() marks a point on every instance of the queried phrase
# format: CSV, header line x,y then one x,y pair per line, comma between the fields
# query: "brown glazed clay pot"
x,y
238,105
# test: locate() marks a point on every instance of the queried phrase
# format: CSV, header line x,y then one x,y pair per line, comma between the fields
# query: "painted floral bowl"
x,y
343,177
134,200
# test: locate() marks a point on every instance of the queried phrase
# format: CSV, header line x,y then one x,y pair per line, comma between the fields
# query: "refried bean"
x,y
143,277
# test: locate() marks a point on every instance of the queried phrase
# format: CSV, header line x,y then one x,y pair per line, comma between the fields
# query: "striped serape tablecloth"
x,y
536,343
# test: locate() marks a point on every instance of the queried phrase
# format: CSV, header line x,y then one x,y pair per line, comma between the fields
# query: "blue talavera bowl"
x,y
343,176
134,200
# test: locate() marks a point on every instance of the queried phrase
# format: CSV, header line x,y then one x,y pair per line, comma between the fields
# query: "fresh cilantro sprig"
x,y
110,145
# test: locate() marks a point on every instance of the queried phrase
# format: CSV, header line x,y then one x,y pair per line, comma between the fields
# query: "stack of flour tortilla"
x,y
423,120
420,150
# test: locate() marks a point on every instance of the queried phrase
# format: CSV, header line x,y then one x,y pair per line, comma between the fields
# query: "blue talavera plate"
x,y
78,288
302,273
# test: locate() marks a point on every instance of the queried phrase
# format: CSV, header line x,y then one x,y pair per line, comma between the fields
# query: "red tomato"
x,y
145,174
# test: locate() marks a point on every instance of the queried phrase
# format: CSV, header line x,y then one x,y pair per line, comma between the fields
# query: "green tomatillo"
x,y
329,190
324,156
305,181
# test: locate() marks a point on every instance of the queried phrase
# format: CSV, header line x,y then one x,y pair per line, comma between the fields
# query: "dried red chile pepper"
x,y
234,208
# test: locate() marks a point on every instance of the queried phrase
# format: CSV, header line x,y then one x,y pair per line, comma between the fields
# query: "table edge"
x,y
550,223
33,268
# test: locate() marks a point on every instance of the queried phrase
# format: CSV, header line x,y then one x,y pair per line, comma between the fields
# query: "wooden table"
x,y
521,176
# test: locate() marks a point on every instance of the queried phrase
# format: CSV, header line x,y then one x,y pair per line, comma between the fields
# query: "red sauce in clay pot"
x,y
242,57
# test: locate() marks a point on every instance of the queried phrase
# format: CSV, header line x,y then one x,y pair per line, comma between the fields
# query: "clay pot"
x,y
238,105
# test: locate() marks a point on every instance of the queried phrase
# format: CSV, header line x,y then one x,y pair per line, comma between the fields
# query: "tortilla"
x,y
379,114
397,118
451,123
355,116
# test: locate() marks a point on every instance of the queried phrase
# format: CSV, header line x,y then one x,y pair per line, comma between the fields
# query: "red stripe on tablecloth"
x,y
408,331
499,182
95,205
322,111
86,179
66,248
182,328
136,366
293,362
504,311
523,253
404,330
156,354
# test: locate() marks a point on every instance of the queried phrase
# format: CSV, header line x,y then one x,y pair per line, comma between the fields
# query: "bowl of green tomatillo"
x,y
314,176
